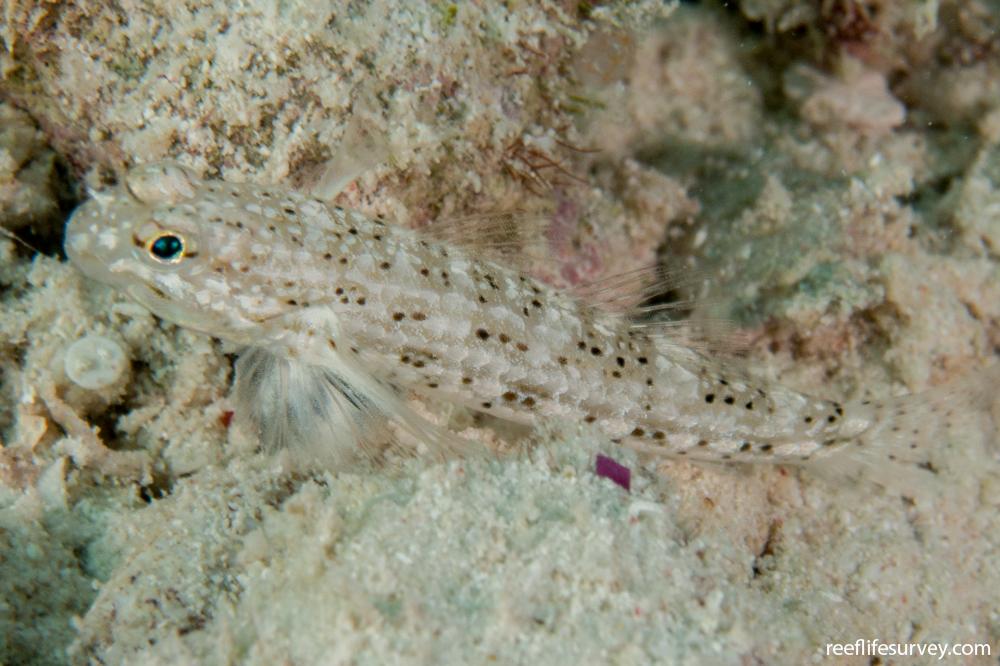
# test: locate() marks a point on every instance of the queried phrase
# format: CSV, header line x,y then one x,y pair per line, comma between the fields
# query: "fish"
x,y
340,316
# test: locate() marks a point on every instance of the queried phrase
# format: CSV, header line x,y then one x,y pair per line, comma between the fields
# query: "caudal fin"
x,y
918,443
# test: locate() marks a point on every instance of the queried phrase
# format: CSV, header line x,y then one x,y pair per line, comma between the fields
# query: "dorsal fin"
x,y
359,152
682,320
518,240
515,238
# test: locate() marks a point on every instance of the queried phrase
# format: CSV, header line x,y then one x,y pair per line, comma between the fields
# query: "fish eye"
x,y
167,247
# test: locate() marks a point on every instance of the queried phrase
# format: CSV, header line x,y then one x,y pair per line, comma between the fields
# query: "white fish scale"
x,y
516,356
440,319
515,359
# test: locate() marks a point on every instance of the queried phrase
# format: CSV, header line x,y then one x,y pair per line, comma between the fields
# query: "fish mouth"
x,y
209,323
167,309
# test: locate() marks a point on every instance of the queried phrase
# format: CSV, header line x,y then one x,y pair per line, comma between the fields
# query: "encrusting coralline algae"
x,y
338,313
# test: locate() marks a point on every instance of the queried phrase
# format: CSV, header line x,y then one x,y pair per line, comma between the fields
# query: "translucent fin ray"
x,y
920,441
331,415
513,238
683,322
359,152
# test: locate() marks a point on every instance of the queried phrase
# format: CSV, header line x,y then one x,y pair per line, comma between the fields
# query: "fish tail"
x,y
918,443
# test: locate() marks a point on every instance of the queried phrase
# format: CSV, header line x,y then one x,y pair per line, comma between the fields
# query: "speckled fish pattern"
x,y
382,308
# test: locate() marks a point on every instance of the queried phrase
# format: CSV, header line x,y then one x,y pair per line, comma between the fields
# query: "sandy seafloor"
x,y
830,170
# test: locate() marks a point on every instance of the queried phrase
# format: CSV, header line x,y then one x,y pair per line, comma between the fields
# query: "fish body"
x,y
330,303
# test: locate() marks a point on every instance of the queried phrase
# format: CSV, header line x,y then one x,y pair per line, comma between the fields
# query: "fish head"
x,y
174,243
